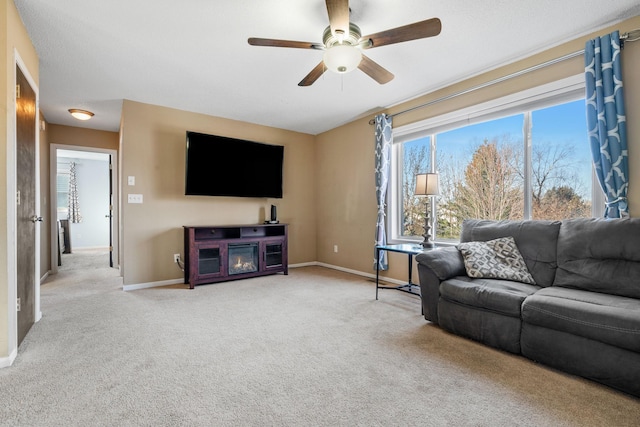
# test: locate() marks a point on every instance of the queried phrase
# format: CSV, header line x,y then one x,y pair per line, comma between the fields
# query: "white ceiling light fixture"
x,y
80,114
342,58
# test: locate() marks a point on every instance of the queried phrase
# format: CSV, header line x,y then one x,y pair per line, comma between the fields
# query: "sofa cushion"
x,y
610,319
501,296
607,364
536,240
600,255
495,259
488,327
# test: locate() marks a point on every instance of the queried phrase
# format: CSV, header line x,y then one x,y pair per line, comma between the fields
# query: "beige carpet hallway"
x,y
312,348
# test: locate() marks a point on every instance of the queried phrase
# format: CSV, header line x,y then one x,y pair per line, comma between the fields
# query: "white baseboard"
x,y
5,362
147,285
43,278
361,273
303,264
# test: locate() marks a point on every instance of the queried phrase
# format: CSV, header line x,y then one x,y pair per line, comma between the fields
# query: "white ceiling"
x,y
193,54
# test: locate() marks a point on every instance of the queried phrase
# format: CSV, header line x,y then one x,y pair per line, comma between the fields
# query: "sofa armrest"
x,y
445,262
434,266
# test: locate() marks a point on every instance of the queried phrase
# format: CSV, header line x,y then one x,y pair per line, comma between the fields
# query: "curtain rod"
x,y
631,36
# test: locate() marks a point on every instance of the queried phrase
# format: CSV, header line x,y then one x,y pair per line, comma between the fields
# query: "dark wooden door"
x,y
110,212
26,202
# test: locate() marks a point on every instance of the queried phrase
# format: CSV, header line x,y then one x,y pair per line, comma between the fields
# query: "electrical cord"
x,y
180,264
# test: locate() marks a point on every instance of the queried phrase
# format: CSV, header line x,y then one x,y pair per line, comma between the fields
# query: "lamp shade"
x,y
427,184
342,58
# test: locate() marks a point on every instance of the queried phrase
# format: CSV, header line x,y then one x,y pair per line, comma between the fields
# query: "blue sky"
x,y
562,125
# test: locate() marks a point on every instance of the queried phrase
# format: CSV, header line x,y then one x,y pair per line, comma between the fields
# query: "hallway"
x,y
80,268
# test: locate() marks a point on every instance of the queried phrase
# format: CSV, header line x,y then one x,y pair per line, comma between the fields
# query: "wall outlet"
x,y
176,257
335,248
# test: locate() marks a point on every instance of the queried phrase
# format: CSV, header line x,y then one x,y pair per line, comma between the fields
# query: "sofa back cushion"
x,y
536,241
600,255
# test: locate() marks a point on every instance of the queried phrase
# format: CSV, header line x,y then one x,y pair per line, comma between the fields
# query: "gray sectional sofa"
x,y
581,316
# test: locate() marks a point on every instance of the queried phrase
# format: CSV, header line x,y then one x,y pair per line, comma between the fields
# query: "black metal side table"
x,y
410,250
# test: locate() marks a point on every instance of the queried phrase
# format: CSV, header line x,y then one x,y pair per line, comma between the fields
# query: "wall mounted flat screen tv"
x,y
221,166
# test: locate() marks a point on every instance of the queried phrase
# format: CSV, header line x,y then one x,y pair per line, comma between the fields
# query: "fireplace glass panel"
x,y
243,258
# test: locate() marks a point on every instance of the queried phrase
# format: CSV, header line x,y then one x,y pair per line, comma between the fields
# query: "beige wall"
x,y
153,150
13,37
70,135
347,209
345,161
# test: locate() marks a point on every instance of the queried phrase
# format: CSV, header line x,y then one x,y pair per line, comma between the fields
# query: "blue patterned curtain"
x,y
384,138
74,206
606,121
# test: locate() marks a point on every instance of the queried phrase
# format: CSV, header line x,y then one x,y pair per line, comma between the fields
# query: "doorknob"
x,y
36,218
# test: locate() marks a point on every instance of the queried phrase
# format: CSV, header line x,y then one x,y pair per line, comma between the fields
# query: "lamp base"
x,y
428,244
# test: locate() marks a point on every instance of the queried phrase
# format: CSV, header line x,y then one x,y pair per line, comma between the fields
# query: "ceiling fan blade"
x,y
375,71
313,75
418,30
255,41
338,11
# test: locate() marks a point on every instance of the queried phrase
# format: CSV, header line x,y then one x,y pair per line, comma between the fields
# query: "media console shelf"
x,y
230,252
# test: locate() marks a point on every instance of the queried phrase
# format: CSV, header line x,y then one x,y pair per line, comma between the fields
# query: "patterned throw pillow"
x,y
495,259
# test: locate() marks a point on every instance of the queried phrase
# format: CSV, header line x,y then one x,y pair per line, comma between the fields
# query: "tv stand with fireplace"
x,y
229,252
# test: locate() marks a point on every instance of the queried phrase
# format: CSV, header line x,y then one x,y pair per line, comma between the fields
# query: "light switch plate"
x,y
131,180
134,198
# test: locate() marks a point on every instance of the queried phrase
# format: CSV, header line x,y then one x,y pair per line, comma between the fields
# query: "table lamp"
x,y
427,185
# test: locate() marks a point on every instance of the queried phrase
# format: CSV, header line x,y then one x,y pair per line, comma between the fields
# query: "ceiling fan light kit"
x,y
342,58
342,53
343,44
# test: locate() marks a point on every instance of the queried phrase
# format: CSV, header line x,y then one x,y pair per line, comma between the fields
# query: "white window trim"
x,y
558,92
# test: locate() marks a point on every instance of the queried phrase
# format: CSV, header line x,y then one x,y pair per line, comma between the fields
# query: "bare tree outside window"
x,y
492,187
482,172
556,186
416,160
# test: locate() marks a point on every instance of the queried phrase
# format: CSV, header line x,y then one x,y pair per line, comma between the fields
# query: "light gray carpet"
x,y
84,259
311,348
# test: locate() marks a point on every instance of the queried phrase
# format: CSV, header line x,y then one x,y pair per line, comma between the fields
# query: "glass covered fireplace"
x,y
243,258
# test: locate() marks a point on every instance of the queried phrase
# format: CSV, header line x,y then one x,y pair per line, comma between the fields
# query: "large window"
x,y
522,157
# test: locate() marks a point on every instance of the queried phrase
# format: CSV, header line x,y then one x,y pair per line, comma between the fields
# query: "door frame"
x,y
53,215
12,217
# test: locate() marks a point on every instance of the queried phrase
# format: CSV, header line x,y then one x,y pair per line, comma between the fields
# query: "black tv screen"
x,y
221,166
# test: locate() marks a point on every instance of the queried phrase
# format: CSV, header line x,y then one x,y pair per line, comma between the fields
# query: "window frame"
x,y
524,102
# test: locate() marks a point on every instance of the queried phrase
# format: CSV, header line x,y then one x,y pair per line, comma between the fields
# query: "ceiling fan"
x,y
343,44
